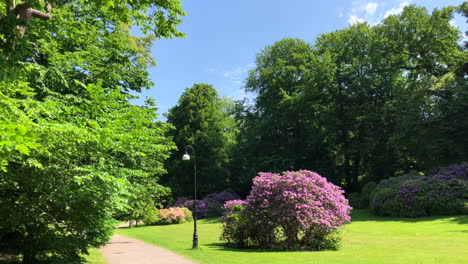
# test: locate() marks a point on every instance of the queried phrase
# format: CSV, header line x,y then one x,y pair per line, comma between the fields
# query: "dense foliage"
x,y
292,210
359,104
201,119
73,150
442,191
360,200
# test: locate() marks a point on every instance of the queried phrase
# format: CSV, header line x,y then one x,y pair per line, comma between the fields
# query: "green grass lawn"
x,y
368,239
95,257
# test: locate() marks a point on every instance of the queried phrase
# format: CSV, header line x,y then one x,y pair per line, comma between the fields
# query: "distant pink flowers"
x,y
292,209
174,215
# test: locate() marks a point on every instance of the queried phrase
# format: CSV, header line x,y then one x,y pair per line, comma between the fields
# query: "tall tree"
x,y
200,119
363,103
73,150
274,131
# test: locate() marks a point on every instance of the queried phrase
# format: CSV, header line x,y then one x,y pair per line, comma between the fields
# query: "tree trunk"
x,y
25,12
29,256
29,248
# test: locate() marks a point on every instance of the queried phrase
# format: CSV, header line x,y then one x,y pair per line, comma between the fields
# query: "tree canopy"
x,y
201,119
74,152
360,104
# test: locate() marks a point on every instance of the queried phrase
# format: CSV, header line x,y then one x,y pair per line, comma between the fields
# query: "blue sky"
x,y
223,38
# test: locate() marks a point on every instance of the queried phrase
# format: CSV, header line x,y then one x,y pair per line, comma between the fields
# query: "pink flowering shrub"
x,y
293,210
173,215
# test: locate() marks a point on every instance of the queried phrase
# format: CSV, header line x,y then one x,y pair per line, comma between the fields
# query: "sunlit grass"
x,y
368,239
95,257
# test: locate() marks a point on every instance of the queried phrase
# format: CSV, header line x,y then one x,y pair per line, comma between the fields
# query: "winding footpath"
x,y
124,250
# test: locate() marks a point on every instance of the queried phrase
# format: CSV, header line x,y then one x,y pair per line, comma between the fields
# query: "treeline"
x,y
360,104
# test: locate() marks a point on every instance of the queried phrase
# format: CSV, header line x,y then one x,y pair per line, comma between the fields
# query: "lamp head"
x,y
186,156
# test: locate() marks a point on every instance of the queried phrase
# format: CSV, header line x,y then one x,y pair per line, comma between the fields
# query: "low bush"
x,y
288,211
361,200
356,200
235,226
210,206
215,201
153,218
442,191
201,210
173,215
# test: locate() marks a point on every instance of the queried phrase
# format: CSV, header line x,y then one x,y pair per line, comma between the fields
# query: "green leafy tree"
x,y
363,103
94,152
73,150
201,119
279,131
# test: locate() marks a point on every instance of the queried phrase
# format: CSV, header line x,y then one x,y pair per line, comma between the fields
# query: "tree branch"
x,y
41,15
25,12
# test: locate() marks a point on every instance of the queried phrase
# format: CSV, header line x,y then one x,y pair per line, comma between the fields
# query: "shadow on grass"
x,y
360,215
224,247
126,227
212,220
462,219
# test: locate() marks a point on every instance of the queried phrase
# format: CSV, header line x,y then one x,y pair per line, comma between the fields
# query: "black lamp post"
x,y
187,157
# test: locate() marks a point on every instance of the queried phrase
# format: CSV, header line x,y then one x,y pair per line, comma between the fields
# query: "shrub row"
x,y
292,210
442,191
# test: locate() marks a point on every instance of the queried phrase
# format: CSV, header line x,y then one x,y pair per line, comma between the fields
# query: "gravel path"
x,y
124,250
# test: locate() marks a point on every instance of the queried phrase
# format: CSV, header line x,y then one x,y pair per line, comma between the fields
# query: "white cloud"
x,y
373,12
353,19
370,8
396,11
362,11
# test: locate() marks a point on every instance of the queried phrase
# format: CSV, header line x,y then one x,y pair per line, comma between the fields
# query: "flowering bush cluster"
x,y
211,205
442,191
173,215
292,210
201,211
215,201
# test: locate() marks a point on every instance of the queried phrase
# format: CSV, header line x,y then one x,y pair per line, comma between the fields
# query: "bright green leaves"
x,y
73,150
160,17
78,163
18,133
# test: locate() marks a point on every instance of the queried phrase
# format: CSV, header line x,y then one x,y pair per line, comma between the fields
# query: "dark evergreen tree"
x,y
200,119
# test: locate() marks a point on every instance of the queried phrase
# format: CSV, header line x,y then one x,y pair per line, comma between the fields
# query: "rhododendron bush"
x,y
442,191
210,206
293,210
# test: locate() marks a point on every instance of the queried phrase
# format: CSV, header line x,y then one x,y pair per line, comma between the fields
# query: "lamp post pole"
x,y
187,157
